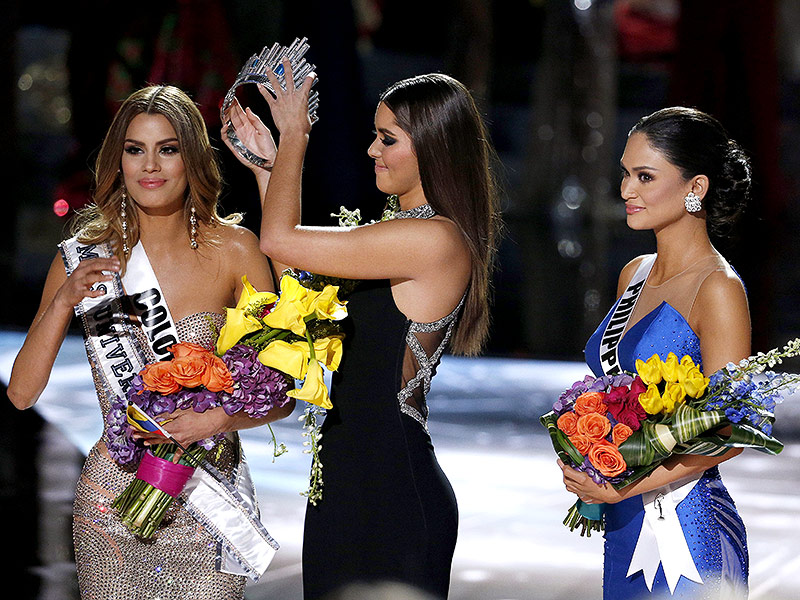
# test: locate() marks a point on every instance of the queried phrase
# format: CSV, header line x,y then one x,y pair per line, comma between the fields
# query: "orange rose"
x,y
590,402
158,377
582,443
620,433
217,377
187,349
594,426
568,423
607,459
188,370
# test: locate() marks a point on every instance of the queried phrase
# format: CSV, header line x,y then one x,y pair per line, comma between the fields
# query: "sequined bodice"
x,y
661,331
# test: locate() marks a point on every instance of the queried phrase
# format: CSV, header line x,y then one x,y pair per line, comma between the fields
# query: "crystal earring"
x,y
692,202
124,215
193,231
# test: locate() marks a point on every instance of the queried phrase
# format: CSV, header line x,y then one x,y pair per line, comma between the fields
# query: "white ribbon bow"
x,y
661,540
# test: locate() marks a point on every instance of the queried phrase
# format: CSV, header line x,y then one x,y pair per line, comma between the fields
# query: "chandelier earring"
x,y
692,202
193,228
124,215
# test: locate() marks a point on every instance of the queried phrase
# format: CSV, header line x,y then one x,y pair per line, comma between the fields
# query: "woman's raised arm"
x,y
35,359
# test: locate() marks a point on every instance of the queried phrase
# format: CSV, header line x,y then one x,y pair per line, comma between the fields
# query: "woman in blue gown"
x,y
681,177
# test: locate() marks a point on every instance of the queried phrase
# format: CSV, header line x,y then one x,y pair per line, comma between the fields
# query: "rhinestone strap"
x,y
423,211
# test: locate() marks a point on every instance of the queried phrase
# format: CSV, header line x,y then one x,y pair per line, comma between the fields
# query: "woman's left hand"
x,y
252,132
586,489
187,426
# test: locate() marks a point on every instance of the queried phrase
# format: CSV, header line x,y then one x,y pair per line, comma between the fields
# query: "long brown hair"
x,y
455,158
101,221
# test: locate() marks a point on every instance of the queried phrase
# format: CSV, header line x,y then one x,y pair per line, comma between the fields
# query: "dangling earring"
x,y
124,215
692,202
193,232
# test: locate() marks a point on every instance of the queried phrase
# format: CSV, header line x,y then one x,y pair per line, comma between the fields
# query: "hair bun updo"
x,y
697,144
731,190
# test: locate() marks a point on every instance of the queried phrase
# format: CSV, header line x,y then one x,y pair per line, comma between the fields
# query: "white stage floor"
x,y
484,424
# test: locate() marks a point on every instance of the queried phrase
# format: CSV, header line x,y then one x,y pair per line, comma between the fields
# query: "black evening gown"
x,y
388,512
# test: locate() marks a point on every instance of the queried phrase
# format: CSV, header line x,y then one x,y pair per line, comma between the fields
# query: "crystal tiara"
x,y
255,71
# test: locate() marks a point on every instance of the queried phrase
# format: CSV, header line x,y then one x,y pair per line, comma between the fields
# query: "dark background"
x,y
560,82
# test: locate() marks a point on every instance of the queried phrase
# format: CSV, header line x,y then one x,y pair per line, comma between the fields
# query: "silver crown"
x,y
255,70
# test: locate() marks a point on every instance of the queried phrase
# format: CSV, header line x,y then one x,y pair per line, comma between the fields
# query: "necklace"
x,y
423,211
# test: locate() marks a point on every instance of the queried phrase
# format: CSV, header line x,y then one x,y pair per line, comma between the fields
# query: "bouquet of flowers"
x,y
266,343
619,428
297,332
193,379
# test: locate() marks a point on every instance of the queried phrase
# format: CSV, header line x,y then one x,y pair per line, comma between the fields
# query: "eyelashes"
x,y
167,150
385,139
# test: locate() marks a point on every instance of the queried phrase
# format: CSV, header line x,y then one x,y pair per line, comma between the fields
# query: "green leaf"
x,y
561,444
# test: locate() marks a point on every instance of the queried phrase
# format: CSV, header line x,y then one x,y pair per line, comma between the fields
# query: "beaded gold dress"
x,y
179,562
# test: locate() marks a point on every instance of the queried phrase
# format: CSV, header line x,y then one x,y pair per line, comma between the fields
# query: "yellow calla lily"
x,y
670,368
649,371
673,396
250,295
328,306
289,358
329,352
294,305
314,390
293,291
651,400
286,315
237,325
695,383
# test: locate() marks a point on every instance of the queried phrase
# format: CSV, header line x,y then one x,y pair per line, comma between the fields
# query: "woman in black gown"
x,y
388,512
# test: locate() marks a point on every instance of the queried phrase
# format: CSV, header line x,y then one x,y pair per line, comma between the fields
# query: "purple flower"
x,y
567,398
257,388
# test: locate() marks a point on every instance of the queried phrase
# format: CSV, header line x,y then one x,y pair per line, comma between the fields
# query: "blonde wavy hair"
x,y
101,221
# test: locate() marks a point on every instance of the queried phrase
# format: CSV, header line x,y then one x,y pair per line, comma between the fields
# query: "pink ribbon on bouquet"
x,y
164,475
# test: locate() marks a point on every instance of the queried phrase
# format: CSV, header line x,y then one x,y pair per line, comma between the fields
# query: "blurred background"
x,y
560,83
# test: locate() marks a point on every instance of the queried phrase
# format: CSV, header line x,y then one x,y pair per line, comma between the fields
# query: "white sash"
x,y
661,539
228,512
149,303
609,343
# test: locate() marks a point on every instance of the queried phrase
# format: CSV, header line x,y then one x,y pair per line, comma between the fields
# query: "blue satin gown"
x,y
713,529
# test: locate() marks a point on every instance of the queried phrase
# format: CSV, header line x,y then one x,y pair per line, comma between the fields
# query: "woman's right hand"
x,y
289,106
79,285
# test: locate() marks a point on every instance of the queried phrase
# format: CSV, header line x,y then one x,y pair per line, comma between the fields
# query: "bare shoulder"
x,y
442,236
242,255
722,290
237,241
721,318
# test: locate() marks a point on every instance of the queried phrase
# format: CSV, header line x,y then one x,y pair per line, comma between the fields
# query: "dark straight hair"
x,y
455,160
